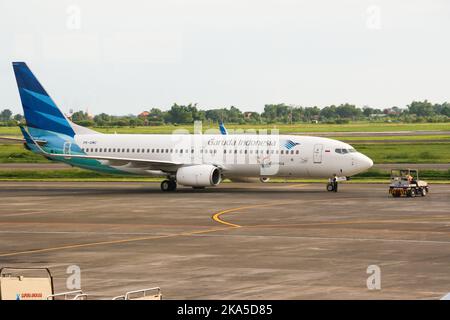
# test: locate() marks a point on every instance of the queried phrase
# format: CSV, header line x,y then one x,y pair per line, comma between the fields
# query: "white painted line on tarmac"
x,y
325,238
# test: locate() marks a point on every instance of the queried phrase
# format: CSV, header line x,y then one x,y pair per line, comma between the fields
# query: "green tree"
x,y
79,116
328,112
180,114
421,108
348,111
18,117
5,115
102,119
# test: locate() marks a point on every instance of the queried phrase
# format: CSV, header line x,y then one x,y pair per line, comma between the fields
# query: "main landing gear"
x,y
169,185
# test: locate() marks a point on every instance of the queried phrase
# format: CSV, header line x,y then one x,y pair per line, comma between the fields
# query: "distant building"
x,y
144,114
90,116
391,112
247,115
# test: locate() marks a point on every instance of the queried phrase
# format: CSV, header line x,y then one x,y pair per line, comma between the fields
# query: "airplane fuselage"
x,y
237,155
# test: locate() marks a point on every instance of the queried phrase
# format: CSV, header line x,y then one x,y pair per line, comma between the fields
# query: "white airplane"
x,y
195,160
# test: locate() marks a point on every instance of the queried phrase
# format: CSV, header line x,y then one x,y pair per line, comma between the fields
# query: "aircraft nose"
x,y
365,162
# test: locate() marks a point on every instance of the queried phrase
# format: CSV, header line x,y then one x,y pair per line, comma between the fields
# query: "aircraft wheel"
x,y
166,185
423,192
172,185
330,187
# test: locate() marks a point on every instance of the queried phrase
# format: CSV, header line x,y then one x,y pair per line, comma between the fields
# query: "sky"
x,y
122,57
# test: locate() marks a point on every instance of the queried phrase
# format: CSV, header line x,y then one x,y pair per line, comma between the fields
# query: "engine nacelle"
x,y
204,175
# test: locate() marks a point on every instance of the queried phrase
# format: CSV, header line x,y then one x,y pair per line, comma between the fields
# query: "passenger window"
x,y
153,150
292,151
181,150
137,150
96,149
192,150
123,149
297,152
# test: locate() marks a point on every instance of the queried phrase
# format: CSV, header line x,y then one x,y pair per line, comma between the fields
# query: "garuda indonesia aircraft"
x,y
195,160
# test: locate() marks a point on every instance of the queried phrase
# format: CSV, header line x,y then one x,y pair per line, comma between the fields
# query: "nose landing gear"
x,y
332,186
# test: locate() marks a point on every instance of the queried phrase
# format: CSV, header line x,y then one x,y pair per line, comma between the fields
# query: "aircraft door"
x,y
66,147
317,155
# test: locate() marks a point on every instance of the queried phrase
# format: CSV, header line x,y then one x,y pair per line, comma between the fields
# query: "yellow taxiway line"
x,y
91,244
216,217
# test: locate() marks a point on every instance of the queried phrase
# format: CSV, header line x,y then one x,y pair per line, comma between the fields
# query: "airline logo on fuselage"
x,y
289,144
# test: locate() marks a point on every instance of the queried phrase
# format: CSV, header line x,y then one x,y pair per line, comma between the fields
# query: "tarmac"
x,y
234,241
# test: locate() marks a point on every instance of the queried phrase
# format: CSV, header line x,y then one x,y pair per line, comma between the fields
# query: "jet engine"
x,y
204,175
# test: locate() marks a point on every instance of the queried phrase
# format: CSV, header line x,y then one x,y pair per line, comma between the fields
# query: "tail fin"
x,y
39,109
222,128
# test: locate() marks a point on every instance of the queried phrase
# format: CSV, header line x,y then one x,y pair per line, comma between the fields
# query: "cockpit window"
x,y
344,151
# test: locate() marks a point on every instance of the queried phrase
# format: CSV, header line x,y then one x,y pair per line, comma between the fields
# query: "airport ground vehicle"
x,y
25,283
405,182
37,284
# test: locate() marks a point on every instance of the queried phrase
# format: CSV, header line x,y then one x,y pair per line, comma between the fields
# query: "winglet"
x,y
30,143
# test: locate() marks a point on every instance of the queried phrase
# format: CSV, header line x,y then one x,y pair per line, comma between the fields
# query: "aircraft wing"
x,y
12,139
119,161
40,142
